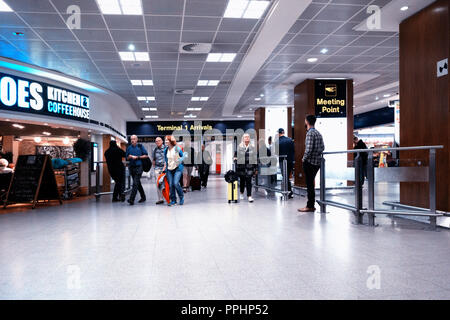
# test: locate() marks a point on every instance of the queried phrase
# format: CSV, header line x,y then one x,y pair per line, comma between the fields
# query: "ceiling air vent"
x,y
195,48
184,91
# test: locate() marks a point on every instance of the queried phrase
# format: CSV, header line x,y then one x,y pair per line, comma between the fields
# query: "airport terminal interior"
x,y
224,150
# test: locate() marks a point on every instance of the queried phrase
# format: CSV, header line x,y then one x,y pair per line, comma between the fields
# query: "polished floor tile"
x,y
209,249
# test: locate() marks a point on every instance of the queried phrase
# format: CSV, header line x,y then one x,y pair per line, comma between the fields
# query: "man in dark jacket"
x,y
286,151
359,144
114,156
203,161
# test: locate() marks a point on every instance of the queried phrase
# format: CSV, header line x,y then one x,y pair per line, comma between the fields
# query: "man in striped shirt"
x,y
311,160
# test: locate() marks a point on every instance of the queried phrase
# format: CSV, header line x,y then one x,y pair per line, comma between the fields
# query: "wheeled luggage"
x,y
233,192
195,183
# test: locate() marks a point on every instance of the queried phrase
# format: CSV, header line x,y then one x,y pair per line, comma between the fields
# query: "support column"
x,y
106,181
425,99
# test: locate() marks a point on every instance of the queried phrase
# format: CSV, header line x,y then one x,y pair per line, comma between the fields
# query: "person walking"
x,y
359,144
188,165
136,152
314,147
158,164
174,157
203,161
114,156
286,151
246,168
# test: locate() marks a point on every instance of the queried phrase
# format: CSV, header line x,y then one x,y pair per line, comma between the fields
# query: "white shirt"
x,y
172,158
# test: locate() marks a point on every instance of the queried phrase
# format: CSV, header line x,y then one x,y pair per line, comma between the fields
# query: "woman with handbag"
x,y
174,157
246,168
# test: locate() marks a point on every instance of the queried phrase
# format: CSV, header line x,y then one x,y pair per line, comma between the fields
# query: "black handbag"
x,y
146,162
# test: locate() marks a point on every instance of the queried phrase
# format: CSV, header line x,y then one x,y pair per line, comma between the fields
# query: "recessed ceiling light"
x,y
245,9
199,98
210,83
4,7
376,98
261,95
128,7
66,140
147,82
312,60
46,133
404,8
131,47
134,56
324,50
239,116
220,57
37,139
19,126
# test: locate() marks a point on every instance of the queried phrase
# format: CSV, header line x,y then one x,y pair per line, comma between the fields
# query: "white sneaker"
x,y
241,197
250,199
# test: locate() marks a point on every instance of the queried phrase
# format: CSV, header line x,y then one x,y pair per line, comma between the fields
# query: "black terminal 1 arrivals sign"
x,y
34,97
330,98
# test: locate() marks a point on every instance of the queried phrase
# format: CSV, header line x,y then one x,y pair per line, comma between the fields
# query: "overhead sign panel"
x,y
330,98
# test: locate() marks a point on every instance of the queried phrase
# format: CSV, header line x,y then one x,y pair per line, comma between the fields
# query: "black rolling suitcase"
x,y
195,183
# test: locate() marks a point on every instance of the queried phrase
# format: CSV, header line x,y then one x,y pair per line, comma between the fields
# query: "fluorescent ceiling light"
x,y
4,7
141,98
210,83
128,7
152,117
312,60
204,98
46,133
151,98
220,57
126,56
195,99
257,99
153,109
404,8
245,9
19,126
255,9
134,56
147,82
190,116
239,116
386,95
145,109
142,82
142,56
193,109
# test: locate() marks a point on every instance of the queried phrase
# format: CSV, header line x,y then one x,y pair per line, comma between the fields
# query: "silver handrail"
x,y
284,183
385,149
358,209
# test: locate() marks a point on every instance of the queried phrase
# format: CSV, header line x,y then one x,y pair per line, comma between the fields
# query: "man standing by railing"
x,y
314,147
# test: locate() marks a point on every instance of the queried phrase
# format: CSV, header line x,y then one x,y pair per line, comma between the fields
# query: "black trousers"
x,y
136,174
119,184
290,168
245,183
310,171
203,171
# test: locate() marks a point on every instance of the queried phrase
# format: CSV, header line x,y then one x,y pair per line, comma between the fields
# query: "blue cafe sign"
x,y
33,97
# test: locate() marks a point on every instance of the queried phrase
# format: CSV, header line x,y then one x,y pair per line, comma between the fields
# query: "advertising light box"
x,y
34,97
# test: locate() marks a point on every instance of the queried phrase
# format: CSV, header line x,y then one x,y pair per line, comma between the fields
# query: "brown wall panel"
x,y
260,121
424,98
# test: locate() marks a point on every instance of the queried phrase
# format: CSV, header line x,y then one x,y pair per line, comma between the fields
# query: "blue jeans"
x,y
173,178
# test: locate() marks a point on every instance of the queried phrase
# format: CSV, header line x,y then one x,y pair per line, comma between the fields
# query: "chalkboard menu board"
x,y
33,180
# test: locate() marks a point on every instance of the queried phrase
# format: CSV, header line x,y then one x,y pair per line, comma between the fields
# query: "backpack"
x,y
146,162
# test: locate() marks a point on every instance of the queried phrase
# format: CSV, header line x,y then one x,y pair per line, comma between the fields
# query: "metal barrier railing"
x,y
389,174
98,193
284,190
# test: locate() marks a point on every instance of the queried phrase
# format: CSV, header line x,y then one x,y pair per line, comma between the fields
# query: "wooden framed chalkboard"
x,y
33,180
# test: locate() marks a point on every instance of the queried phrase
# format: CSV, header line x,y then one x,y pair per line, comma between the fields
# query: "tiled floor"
x,y
209,249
